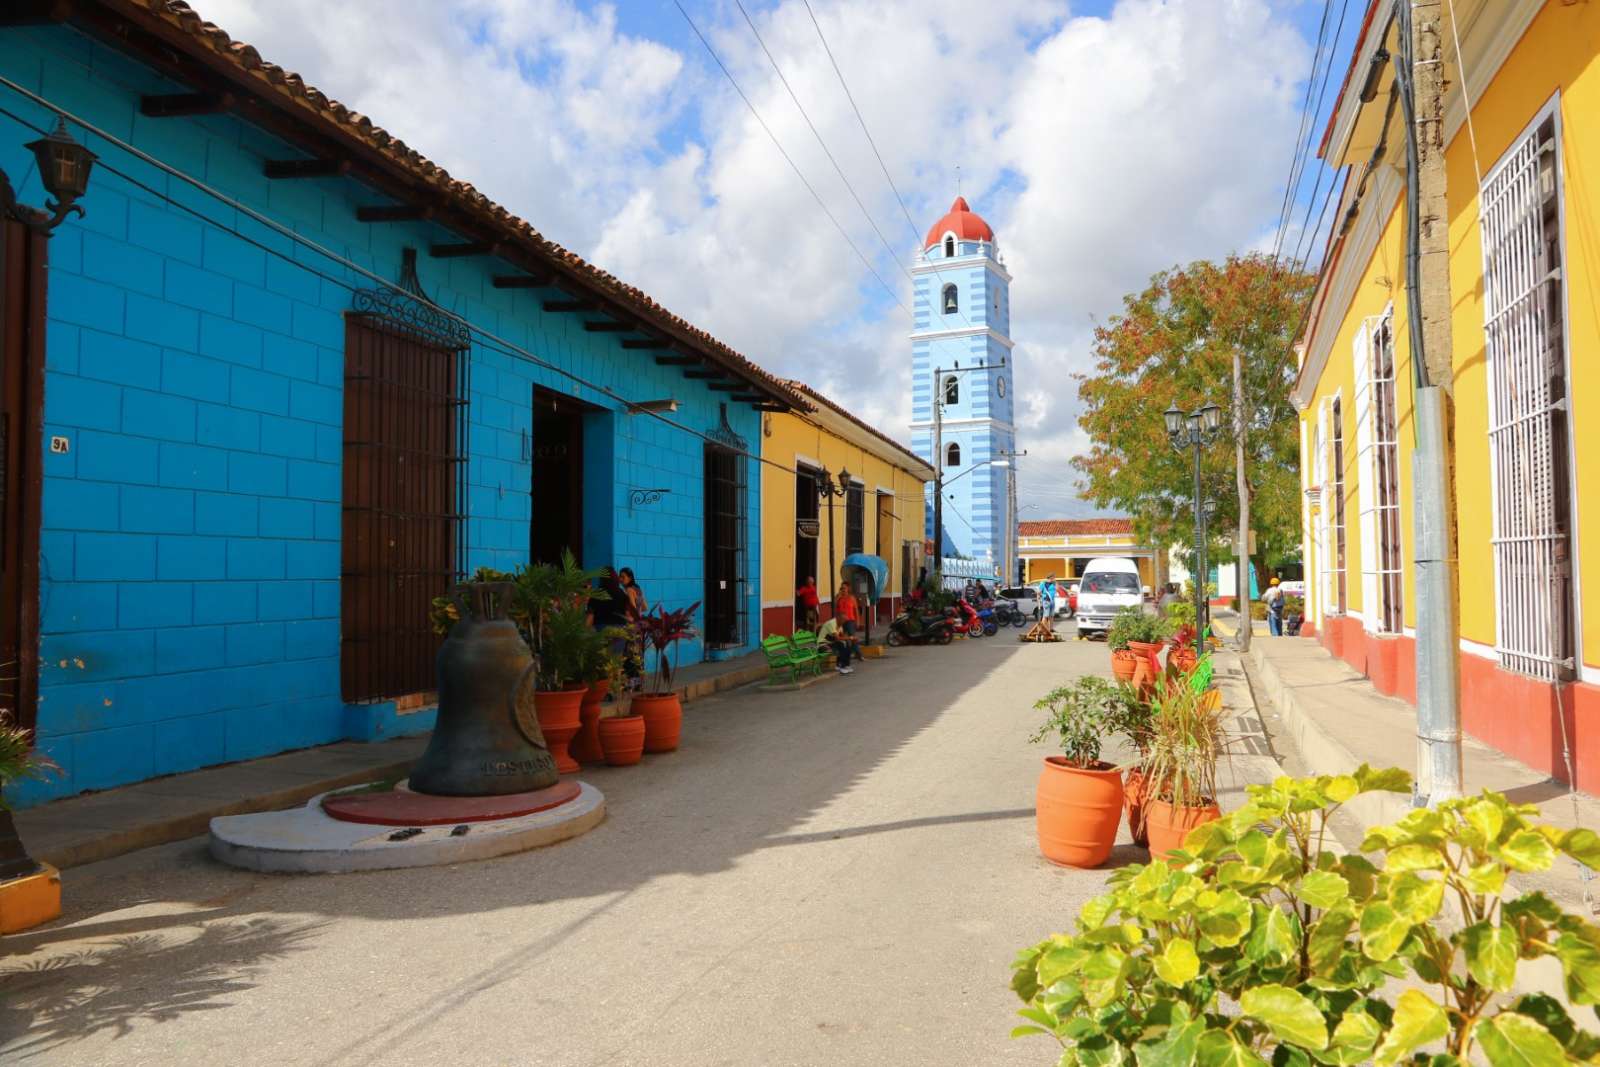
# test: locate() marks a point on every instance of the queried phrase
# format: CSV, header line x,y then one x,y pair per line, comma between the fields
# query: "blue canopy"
x,y
876,569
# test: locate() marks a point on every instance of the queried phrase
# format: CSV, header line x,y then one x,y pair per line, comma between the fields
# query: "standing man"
x,y
1274,598
1047,597
809,602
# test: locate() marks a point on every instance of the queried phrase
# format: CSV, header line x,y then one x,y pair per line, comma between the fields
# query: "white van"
x,y
1109,584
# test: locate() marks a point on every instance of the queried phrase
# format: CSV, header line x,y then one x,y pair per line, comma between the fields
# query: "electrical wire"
x,y
484,338
786,157
1306,240
915,233
1300,139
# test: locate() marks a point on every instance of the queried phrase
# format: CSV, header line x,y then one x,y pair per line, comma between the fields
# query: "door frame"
x,y
23,254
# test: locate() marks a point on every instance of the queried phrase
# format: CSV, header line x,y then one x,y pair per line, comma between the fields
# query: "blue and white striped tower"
x,y
963,321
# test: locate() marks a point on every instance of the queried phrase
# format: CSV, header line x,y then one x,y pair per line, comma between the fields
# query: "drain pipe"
x,y
1438,628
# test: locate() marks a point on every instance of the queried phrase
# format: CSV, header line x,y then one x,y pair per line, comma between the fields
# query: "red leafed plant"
x,y
660,630
1185,636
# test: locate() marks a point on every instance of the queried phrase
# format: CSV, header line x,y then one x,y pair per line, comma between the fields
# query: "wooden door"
x,y
22,287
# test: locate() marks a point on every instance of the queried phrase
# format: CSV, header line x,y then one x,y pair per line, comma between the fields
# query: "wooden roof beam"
x,y
608,327
305,168
674,361
649,342
521,281
726,387
393,213
465,248
569,305
176,105
707,374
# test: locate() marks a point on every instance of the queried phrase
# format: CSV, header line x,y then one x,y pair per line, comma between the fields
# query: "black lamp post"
x,y
828,490
64,167
1195,430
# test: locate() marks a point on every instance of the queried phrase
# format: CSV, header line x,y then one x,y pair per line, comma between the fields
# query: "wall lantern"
x,y
64,167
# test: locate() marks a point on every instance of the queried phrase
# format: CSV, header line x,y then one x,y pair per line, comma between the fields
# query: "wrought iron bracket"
x,y
644,497
408,309
40,222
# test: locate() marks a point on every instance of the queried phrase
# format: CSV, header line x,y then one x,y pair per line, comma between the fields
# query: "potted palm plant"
x,y
30,891
1180,764
1078,801
661,630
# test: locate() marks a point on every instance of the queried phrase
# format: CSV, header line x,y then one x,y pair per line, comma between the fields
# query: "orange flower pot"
x,y
1077,812
1145,649
663,720
1124,662
1183,659
621,739
560,716
1169,824
1133,803
586,745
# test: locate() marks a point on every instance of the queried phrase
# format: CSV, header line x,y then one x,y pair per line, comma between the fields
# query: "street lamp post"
x,y
1195,430
827,490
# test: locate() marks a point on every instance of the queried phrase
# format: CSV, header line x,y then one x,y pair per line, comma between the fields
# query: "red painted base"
x,y
405,808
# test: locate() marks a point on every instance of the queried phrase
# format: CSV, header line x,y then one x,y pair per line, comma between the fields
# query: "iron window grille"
x,y
1340,549
1531,481
726,537
1378,476
855,520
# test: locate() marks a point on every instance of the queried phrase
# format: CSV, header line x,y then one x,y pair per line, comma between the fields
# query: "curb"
x,y
197,823
1322,753
194,824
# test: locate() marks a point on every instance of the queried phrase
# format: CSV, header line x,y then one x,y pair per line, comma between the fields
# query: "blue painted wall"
x,y
191,534
981,420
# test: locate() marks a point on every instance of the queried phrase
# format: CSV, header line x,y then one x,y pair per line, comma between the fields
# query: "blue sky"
x,y
1104,140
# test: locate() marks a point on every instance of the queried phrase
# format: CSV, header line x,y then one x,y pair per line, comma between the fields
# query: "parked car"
x,y
1109,584
1024,599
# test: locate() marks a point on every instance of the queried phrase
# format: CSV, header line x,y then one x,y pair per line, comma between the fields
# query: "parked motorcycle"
x,y
965,620
915,628
986,615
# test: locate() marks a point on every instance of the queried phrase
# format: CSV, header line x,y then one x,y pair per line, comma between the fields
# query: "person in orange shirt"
x,y
848,614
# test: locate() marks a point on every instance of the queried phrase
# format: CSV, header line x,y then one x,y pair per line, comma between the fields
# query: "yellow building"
x,y
1524,259
881,512
1061,548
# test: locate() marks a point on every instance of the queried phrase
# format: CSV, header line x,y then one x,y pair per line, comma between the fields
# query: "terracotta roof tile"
x,y
315,106
811,394
1072,527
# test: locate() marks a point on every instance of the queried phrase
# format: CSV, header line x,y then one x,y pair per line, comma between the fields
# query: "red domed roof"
x,y
962,221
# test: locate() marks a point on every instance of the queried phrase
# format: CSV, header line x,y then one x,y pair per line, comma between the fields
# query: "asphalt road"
x,y
838,875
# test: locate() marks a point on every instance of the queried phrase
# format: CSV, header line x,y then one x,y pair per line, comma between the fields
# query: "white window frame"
x,y
1525,640
1325,570
1382,581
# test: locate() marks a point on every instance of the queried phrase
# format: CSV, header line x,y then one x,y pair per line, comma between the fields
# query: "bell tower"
x,y
961,387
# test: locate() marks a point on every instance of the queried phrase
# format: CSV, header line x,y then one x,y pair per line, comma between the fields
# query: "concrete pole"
x,y
1428,302
1242,546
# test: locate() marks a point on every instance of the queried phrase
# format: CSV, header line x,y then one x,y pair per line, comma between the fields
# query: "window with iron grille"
x,y
403,446
1336,417
1327,563
855,520
1524,309
1378,475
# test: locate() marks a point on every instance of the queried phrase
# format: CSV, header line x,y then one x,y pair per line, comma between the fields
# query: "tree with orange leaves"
x,y
1173,343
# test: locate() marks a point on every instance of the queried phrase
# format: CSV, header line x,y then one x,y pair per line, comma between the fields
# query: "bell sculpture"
x,y
487,740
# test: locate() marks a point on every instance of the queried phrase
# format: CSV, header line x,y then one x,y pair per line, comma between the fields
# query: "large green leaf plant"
x,y
1260,943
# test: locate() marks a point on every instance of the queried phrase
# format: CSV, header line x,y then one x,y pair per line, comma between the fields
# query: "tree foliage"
x,y
1173,343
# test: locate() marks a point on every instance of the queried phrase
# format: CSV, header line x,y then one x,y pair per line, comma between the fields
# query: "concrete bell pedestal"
x,y
354,831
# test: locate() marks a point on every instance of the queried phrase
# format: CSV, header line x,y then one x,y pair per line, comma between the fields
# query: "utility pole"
x,y
1420,68
1242,545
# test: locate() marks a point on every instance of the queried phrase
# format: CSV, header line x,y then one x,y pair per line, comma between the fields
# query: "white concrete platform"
x,y
307,840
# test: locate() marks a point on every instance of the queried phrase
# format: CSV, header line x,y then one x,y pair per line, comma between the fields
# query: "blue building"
x,y
284,381
961,387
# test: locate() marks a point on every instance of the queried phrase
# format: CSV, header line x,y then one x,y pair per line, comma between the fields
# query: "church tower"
x,y
961,387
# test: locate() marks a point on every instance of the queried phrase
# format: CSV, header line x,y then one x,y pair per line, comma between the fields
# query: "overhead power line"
x,y
1292,185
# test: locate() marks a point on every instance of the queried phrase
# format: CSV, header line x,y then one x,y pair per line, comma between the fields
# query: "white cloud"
x,y
1101,149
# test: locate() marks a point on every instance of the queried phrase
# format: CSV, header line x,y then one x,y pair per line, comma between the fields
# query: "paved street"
x,y
838,875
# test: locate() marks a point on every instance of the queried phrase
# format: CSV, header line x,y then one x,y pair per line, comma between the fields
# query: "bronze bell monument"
x,y
487,740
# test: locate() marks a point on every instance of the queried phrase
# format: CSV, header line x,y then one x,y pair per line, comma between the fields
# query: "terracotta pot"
x,y
586,746
1124,662
1183,659
1146,648
621,738
663,720
1133,804
1076,812
1169,824
560,717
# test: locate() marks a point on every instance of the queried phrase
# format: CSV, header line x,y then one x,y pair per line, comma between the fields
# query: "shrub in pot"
x,y
550,605
661,630
25,900
1078,801
1132,716
1259,945
602,673
1139,634
1182,655
1180,763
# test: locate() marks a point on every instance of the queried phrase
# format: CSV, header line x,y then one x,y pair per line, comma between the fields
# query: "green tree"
x,y
1173,344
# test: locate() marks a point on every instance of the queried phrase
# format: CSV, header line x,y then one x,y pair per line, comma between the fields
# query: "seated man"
x,y
841,646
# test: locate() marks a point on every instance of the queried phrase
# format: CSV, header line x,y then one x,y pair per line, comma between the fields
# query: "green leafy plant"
x,y
1083,714
1261,944
19,760
1186,740
1136,624
1181,613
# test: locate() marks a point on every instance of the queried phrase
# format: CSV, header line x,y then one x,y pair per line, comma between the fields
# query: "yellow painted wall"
x,y
793,437
1558,53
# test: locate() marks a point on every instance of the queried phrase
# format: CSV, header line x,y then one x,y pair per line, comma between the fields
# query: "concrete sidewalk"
x,y
1334,720
97,826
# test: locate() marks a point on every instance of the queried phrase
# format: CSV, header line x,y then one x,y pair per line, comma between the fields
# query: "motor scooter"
x,y
965,620
916,628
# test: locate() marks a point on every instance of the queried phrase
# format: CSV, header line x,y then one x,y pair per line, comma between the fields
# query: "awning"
x,y
877,570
